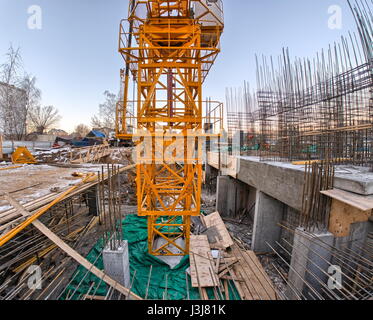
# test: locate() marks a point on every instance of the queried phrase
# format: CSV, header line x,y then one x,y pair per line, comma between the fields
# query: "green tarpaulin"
x,y
135,231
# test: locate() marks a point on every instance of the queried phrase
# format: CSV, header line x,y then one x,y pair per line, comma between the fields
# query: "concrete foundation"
x,y
275,190
116,264
309,264
268,214
172,261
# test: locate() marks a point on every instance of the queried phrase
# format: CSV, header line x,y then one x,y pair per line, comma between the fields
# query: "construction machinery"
x,y
169,48
23,156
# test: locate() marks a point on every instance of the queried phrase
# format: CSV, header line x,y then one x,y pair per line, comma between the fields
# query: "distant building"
x,y
13,101
58,133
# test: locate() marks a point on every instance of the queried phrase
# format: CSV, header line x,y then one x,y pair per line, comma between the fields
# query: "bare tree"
x,y
82,130
43,118
107,110
32,98
18,95
12,98
10,70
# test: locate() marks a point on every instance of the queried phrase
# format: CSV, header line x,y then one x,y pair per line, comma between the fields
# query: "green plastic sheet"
x,y
135,231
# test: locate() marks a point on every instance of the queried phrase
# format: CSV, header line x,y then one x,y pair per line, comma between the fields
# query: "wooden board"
x,y
224,240
343,215
257,285
363,203
263,278
202,269
72,253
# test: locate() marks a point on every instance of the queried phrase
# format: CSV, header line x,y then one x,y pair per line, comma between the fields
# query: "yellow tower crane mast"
x,y
169,48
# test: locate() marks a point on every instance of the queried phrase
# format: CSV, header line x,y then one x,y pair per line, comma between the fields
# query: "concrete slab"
x,y
172,261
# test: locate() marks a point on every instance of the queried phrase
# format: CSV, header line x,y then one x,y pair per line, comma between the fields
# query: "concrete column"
x,y
309,264
232,196
116,263
224,195
268,214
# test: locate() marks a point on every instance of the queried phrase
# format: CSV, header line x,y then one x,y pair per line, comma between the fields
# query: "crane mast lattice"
x,y
169,48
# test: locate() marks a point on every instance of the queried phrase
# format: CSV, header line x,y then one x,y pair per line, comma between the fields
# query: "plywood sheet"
x,y
343,215
363,203
202,269
224,239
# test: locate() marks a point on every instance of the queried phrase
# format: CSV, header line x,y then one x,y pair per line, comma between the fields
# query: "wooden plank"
x,y
343,215
232,278
225,268
201,263
246,287
244,293
89,297
214,220
256,280
205,296
362,203
72,253
259,271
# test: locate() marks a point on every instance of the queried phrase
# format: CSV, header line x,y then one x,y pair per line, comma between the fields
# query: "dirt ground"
x,y
31,182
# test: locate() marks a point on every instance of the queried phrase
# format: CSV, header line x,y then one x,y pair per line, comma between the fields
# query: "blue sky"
x,y
74,56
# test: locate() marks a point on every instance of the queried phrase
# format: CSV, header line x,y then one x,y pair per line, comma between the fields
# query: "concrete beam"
x,y
284,181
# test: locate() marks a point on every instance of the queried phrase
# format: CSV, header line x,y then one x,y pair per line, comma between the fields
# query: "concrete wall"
x,y
276,189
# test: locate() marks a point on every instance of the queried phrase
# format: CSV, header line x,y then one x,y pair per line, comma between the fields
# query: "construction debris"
x,y
229,265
